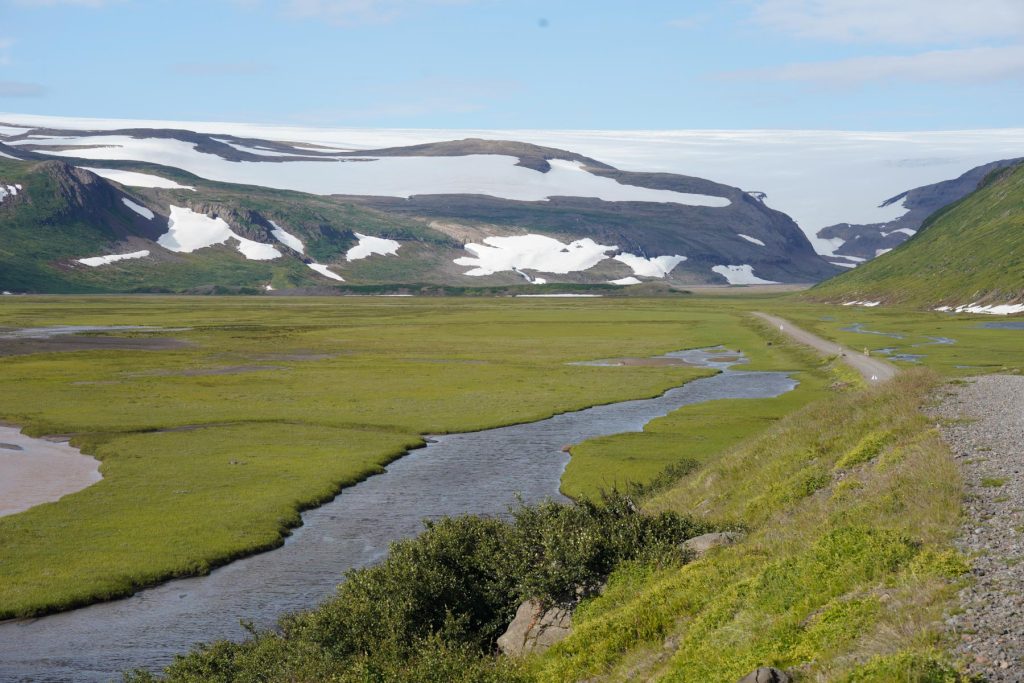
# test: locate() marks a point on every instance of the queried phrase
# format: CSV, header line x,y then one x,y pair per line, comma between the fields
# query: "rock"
x,y
767,674
534,630
699,545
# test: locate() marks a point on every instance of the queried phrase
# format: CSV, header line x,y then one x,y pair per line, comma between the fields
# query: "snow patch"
x,y
533,252
95,261
867,304
256,251
558,296
625,281
287,239
134,179
323,270
138,208
998,309
369,245
659,266
741,275
906,231
844,265
879,252
487,174
750,239
188,231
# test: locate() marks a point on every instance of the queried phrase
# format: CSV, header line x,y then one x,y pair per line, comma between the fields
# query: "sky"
x,y
868,65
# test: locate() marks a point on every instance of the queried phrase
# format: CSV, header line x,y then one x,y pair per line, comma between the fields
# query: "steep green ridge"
x,y
969,252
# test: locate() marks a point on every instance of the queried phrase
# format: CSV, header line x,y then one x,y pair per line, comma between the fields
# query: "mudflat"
x,y
35,471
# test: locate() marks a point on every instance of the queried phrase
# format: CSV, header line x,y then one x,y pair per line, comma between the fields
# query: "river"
x,y
476,473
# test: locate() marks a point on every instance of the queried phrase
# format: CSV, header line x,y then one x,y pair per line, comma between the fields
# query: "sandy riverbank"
x,y
35,471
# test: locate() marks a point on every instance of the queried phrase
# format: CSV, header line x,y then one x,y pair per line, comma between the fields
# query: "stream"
x,y
474,473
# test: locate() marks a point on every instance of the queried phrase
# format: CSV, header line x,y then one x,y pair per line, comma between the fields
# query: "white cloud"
x,y
359,11
965,66
884,21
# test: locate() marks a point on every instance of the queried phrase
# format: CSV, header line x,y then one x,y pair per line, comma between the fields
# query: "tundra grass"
x,y
209,451
689,437
844,574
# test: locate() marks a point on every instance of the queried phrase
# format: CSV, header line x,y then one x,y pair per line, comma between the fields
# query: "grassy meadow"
x,y
848,498
210,451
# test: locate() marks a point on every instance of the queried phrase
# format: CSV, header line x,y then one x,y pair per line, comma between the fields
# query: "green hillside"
x,y
970,252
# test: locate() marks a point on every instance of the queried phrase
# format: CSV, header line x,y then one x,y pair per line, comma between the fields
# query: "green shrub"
x,y
433,610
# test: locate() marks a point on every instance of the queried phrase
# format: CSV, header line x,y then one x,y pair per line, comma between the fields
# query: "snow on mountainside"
x,y
469,211
820,178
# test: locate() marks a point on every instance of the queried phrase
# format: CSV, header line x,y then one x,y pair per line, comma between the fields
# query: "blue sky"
x,y
566,64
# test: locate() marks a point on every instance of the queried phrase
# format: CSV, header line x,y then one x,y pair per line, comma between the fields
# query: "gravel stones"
x,y
982,421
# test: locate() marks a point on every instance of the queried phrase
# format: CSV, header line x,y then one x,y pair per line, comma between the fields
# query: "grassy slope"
x,y
844,574
446,366
972,251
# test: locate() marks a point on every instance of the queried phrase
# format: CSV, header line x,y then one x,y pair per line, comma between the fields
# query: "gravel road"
x,y
984,427
871,369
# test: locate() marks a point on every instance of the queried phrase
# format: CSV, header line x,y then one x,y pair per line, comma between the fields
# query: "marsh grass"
x,y
356,382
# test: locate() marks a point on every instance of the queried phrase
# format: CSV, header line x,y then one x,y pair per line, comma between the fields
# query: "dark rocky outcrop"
x,y
767,674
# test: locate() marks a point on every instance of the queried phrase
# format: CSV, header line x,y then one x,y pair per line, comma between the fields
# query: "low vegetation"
x,y
435,607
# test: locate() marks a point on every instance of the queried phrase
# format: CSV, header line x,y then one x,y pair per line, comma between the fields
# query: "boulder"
x,y
699,545
535,629
767,674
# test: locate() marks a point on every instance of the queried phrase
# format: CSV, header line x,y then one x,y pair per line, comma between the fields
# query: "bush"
x,y
435,607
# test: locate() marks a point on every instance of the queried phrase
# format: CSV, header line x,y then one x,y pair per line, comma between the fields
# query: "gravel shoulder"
x,y
982,420
871,369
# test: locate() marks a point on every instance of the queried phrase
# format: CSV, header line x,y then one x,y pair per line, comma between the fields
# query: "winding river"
x,y
477,473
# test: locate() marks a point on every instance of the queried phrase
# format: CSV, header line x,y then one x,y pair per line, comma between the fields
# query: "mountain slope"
x,y
466,212
970,254
860,242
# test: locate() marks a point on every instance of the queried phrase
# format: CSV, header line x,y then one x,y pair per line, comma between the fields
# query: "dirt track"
x,y
871,369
